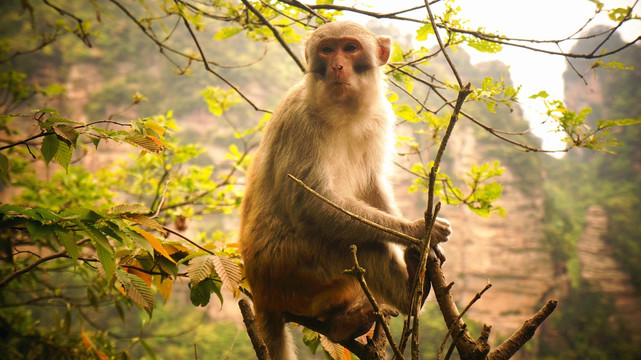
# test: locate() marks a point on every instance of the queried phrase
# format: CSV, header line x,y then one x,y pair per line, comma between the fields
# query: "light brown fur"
x,y
333,131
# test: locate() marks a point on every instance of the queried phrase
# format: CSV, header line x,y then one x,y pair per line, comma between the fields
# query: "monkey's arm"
x,y
314,216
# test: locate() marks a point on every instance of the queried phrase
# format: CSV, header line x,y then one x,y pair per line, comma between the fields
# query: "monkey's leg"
x,y
412,258
387,275
353,320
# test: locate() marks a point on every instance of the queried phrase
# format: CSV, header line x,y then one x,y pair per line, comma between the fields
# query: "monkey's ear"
x,y
384,44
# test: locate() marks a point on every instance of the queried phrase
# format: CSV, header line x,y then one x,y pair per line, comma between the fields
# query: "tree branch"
x,y
276,34
508,348
354,216
253,330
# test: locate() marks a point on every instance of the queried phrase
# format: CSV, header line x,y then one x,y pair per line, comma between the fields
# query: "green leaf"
x,y
80,213
46,111
49,147
63,155
200,268
603,124
67,240
98,238
423,32
541,94
37,230
139,240
140,293
201,292
407,113
483,45
227,32
129,209
107,259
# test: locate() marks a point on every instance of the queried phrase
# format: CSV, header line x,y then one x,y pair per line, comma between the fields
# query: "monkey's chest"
x,y
350,167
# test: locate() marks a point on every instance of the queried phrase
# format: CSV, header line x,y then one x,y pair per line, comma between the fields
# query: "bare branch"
x,y
524,334
253,330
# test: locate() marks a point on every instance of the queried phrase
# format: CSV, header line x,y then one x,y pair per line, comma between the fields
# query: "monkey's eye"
x,y
350,48
326,50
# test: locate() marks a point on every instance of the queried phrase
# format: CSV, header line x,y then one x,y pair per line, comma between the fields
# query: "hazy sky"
x,y
541,19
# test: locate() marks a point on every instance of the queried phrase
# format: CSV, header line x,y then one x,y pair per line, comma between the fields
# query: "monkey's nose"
x,y
337,67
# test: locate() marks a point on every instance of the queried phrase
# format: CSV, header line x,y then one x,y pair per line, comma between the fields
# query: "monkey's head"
x,y
344,58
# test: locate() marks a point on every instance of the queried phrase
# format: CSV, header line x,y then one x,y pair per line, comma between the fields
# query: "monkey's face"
x,y
340,62
344,59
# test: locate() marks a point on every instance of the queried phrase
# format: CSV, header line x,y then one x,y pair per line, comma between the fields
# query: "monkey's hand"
x,y
440,232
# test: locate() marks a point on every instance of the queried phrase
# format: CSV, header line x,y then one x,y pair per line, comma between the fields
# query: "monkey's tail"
x,y
277,338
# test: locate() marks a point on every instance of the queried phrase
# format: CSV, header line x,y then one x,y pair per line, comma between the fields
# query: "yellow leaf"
x,y
143,275
155,243
165,288
175,248
156,127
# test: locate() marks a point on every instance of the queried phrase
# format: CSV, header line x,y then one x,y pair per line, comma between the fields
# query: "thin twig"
x,y
354,216
476,297
358,272
188,240
440,43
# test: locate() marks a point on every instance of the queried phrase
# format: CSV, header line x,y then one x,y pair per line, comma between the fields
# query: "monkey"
x,y
333,130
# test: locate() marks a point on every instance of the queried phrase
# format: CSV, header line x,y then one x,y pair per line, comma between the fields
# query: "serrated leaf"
x,y
49,147
66,132
165,286
63,155
155,243
68,242
146,221
140,293
107,260
97,237
228,272
140,241
37,230
129,209
200,268
133,269
144,142
47,214
336,351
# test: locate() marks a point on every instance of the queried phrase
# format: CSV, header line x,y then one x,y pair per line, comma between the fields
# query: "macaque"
x,y
333,131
